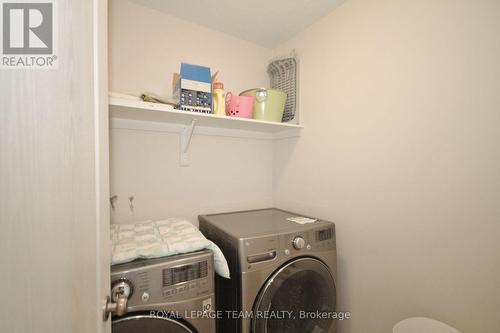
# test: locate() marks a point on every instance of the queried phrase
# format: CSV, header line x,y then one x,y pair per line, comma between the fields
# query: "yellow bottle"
x,y
219,103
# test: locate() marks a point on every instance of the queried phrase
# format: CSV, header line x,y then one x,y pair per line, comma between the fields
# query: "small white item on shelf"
x,y
301,220
124,96
218,102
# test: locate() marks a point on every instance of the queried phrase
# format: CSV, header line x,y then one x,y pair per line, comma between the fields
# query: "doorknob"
x,y
117,304
119,308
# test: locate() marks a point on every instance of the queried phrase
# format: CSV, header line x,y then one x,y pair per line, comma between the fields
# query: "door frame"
x,y
101,150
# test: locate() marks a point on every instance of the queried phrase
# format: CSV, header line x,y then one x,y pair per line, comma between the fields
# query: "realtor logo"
x,y
28,34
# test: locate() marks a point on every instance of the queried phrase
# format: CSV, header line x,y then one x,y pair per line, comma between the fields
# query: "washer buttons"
x,y
169,292
287,252
308,246
145,297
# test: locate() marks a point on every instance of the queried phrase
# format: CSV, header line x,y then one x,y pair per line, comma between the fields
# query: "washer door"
x,y
147,324
303,286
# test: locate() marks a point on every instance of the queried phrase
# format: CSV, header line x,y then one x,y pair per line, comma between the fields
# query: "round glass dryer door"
x,y
298,298
147,324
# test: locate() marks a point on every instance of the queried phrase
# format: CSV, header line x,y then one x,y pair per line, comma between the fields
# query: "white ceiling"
x,y
264,22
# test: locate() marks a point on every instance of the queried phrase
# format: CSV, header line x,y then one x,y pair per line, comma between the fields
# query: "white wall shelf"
x,y
126,113
123,108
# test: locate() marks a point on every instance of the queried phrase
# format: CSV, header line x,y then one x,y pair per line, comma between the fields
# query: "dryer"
x,y
282,273
172,294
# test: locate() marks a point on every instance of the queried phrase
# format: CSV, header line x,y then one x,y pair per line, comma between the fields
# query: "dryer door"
x,y
299,297
145,323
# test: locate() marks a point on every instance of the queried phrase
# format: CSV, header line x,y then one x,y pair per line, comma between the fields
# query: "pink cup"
x,y
239,106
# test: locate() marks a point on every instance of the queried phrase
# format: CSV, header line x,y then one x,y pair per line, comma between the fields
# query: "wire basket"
x,y
283,75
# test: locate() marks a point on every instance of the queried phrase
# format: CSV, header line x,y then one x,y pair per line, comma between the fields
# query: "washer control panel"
x,y
165,280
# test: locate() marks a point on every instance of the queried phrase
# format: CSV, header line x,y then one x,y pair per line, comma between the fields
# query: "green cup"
x,y
269,103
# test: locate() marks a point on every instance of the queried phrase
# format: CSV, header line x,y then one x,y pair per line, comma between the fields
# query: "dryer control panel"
x,y
259,252
302,242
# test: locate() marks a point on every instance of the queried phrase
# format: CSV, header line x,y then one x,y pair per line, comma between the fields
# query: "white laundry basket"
x,y
422,325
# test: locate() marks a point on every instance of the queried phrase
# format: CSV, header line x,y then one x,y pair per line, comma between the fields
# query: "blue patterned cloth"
x,y
154,239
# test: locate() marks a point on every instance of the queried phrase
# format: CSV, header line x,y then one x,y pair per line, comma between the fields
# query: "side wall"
x,y
401,148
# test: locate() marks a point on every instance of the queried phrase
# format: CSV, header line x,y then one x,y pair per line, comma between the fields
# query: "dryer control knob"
x,y
299,243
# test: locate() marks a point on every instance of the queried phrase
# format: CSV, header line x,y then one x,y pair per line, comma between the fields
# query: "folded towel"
x,y
154,239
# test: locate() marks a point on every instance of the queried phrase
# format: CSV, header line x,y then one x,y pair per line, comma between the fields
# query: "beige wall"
x,y
401,148
146,46
225,173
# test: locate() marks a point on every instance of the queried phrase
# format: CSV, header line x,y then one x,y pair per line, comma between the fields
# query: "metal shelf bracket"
x,y
185,140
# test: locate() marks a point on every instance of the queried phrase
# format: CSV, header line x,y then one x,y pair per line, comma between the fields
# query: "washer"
x,y
172,294
276,265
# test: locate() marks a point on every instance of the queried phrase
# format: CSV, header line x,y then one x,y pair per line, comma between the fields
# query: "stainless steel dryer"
x,y
276,266
172,294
